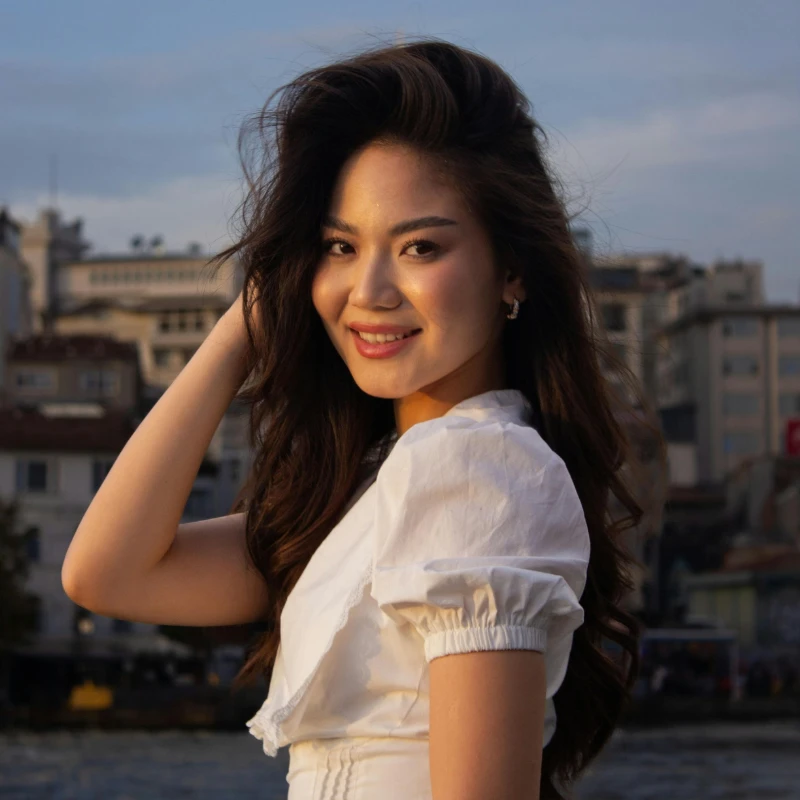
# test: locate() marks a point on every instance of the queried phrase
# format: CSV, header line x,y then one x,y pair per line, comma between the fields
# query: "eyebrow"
x,y
401,227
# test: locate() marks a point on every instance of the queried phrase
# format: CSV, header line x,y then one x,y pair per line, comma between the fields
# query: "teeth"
x,y
381,338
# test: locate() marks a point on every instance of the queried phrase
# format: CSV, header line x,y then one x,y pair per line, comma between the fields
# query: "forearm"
x,y
132,520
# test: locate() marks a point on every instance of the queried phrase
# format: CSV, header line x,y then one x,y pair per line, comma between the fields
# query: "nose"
x,y
374,284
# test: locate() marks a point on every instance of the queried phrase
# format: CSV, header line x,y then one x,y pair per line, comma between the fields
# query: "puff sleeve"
x,y
480,540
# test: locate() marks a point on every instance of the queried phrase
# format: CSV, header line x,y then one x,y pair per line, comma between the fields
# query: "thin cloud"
x,y
716,133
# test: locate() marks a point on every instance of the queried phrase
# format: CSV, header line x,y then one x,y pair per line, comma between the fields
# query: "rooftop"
x,y
30,429
55,347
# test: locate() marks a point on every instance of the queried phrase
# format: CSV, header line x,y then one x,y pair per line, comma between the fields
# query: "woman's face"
x,y
403,249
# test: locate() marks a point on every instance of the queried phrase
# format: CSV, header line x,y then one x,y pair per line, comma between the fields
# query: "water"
x,y
735,762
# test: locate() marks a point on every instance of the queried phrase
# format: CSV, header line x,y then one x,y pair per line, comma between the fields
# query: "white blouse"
x,y
469,536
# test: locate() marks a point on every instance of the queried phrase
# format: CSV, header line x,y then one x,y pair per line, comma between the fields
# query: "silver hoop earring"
x,y
514,311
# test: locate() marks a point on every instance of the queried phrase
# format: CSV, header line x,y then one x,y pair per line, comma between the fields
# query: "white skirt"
x,y
359,768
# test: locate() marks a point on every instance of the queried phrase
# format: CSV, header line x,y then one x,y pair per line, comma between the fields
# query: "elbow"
x,y
77,590
71,586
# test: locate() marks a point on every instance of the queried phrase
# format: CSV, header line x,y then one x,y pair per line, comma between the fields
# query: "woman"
x,y
426,515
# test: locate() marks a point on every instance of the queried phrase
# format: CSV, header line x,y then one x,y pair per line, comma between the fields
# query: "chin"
x,y
386,390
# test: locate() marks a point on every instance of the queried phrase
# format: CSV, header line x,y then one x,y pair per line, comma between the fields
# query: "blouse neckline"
x,y
494,398
513,400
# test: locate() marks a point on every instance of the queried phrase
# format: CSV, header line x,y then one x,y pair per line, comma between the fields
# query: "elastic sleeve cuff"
x,y
497,637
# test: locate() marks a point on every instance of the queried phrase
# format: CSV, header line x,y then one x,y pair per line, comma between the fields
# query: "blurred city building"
x,y
15,311
165,303
756,588
53,459
729,381
73,403
45,245
722,368
89,345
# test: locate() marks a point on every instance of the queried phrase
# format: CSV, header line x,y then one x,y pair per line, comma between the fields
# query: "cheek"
x,y
455,296
324,295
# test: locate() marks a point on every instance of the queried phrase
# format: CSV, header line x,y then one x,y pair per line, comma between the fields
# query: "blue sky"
x,y
676,123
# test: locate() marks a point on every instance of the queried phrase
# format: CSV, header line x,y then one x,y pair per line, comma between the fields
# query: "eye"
x,y
423,243
328,243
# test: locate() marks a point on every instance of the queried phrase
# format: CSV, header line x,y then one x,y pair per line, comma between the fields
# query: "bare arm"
x,y
129,557
487,725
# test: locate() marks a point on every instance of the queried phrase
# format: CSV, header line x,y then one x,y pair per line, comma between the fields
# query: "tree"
x,y
18,608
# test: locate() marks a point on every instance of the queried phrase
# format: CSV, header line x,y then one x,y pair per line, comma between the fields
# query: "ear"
x,y
514,287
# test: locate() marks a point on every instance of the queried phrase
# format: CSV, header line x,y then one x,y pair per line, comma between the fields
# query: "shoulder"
x,y
479,483
460,488
463,446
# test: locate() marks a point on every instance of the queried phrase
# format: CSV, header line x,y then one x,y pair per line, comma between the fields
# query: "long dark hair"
x,y
314,431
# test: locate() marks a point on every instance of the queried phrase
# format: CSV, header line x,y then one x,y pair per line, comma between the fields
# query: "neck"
x,y
435,400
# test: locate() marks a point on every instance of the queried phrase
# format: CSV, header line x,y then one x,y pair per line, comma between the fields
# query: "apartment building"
x,y
729,380
620,294
15,313
164,303
74,402
46,244
47,369
52,460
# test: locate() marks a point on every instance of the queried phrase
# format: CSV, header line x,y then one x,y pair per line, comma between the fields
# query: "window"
x,y
613,316
739,327
100,469
34,380
199,321
188,352
199,504
740,404
740,365
33,550
789,404
789,365
33,475
789,327
102,382
181,320
163,323
616,350
161,356
742,442
735,297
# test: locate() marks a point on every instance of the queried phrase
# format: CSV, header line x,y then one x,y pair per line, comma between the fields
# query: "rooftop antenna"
x,y
53,180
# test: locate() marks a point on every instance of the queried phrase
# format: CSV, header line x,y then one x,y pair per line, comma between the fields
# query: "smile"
x,y
381,345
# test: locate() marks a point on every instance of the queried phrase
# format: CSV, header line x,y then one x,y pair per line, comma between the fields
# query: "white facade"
x,y
737,373
54,490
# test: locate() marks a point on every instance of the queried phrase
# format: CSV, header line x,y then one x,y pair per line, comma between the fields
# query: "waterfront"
x,y
703,762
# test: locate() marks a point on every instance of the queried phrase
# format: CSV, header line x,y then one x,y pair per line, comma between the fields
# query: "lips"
x,y
382,349
369,327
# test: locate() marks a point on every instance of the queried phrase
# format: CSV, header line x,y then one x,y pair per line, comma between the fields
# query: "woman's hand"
x,y
236,311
